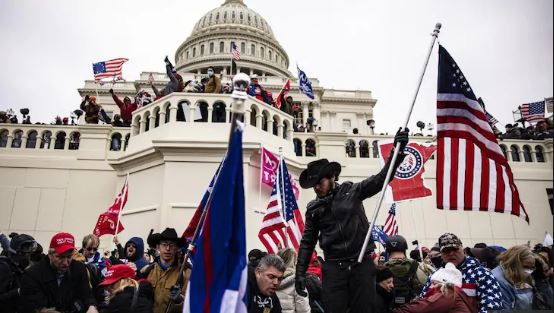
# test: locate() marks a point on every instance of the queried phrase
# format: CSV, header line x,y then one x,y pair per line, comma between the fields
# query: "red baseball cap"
x,y
117,272
62,242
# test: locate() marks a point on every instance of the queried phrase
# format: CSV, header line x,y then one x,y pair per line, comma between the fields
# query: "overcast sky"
x,y
504,47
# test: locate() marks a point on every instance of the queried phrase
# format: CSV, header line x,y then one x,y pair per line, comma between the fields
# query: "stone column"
x,y
52,142
173,113
259,121
508,154
39,142
162,117
280,129
290,133
152,123
23,141
303,152
10,141
66,142
142,126
247,115
305,112
228,113
192,111
270,125
210,112
317,113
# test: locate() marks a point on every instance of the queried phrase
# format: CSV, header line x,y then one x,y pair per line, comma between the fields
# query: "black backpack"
x,y
404,290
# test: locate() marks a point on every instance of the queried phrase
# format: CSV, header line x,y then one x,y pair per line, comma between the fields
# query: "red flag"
x,y
120,200
283,93
407,182
106,225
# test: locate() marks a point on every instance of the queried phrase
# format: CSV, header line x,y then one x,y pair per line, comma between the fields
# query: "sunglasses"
x,y
92,249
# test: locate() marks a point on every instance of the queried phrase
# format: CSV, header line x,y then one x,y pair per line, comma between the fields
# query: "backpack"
x,y
404,273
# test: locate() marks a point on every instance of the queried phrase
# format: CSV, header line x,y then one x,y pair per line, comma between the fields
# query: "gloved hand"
x,y
86,98
175,294
111,91
166,60
300,285
402,138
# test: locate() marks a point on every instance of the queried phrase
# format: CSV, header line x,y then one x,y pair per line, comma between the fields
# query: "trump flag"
x,y
408,183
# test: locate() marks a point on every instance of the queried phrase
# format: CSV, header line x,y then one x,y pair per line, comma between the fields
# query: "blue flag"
x,y
379,235
219,277
304,83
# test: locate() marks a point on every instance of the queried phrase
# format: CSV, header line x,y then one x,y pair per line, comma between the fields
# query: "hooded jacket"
x,y
126,111
138,258
291,302
437,302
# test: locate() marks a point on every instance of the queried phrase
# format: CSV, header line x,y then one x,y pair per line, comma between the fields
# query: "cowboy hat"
x,y
168,234
317,170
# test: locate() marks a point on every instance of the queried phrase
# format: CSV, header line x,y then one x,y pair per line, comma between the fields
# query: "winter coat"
x,y
122,302
91,112
162,281
125,111
138,258
339,221
439,303
257,91
39,288
384,300
257,303
213,85
291,302
477,282
513,298
10,280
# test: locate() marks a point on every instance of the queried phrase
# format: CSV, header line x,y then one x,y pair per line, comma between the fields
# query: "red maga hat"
x,y
118,272
62,242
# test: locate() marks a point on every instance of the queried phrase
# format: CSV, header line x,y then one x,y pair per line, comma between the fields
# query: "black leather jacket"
x,y
339,221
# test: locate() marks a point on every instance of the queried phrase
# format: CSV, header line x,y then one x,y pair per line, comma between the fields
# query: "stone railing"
x,y
209,108
26,137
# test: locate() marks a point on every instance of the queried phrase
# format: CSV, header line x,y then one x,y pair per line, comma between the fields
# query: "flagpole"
x,y
119,216
282,195
261,175
434,35
415,230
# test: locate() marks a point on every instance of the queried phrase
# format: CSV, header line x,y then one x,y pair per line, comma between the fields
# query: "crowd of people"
x,y
540,131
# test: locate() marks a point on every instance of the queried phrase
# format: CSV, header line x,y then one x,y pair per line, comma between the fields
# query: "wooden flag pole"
x,y
434,35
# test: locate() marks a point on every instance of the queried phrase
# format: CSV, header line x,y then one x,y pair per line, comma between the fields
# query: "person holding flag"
x,y
337,218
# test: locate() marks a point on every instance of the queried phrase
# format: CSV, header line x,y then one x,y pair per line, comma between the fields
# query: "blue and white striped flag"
x,y
379,235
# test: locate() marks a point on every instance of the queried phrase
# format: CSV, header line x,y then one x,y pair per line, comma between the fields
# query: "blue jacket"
x,y
138,257
477,281
512,298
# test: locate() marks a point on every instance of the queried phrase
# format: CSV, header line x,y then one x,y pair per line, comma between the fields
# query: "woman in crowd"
x,y
514,277
384,298
291,302
444,296
125,294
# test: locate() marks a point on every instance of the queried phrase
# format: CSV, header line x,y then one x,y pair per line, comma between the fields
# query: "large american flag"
x,y
472,172
235,51
111,68
533,112
282,226
391,228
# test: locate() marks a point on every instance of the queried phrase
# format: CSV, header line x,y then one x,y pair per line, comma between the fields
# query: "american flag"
x,y
282,226
472,172
235,51
111,68
391,228
533,112
491,119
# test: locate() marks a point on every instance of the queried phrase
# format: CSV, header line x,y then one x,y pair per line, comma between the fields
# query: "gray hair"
x,y
271,260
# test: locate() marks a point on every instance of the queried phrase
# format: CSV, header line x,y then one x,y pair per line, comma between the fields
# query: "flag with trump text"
x,y
282,226
270,164
472,172
408,180
107,221
109,69
219,276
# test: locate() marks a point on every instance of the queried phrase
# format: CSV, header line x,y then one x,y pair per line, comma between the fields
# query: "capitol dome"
x,y
209,44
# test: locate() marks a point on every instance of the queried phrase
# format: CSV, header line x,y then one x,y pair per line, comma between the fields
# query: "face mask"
x,y
527,272
210,73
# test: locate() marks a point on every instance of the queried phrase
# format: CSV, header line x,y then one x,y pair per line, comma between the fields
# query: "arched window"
x,y
225,16
219,113
31,139
375,146
203,107
539,153
310,148
127,138
253,114
4,138
17,137
60,140
221,47
243,47
249,19
515,153
211,47
297,146
253,49
265,118
270,55
74,140
46,138
211,16
275,125
527,154
286,127
115,144
233,16
364,149
201,49
504,151
193,52
217,17
262,52
350,148
188,56
241,16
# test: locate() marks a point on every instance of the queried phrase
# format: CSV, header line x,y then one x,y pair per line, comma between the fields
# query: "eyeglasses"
x,y
167,245
92,249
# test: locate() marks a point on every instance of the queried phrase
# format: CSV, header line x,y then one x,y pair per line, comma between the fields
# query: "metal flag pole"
x,y
434,35
240,83
119,214
281,190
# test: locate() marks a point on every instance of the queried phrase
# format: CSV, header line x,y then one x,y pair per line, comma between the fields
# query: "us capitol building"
x,y
61,177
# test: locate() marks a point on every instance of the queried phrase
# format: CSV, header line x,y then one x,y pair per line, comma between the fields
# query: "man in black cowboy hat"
x,y
165,271
337,218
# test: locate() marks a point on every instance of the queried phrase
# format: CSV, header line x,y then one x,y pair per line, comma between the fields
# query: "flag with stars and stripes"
x,y
235,51
109,69
472,172
282,226
491,119
533,112
391,228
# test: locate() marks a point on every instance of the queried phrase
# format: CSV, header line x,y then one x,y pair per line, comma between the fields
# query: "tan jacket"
x,y
213,85
162,281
